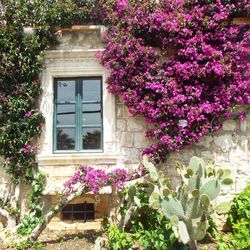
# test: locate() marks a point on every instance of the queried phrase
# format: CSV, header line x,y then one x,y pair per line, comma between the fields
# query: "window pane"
x,y
91,114
79,207
90,215
67,216
79,216
67,208
91,138
90,206
66,91
91,90
65,138
65,114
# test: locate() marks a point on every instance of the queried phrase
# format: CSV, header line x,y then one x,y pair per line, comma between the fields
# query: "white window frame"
x,y
74,63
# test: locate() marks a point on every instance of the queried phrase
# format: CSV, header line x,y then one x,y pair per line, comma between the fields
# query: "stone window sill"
x,y
76,159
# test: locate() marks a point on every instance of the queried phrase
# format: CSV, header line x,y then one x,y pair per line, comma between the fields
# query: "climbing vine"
x,y
20,66
174,63
180,64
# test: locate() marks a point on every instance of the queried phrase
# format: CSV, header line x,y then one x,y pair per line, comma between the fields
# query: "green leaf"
x,y
226,173
227,181
195,164
199,232
151,168
132,191
223,208
129,214
155,196
171,206
174,220
205,200
220,172
165,192
137,201
195,193
211,188
155,204
190,172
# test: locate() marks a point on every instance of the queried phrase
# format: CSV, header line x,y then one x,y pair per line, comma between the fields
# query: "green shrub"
x,y
239,217
240,208
118,239
145,227
239,220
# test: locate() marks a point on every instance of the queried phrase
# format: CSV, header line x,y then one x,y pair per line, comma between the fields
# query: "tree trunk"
x,y
57,208
11,220
40,227
193,245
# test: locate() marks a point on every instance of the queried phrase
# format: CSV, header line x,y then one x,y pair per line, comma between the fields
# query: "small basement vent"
x,y
83,211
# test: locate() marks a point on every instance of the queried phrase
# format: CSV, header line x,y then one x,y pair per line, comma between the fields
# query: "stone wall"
x,y
130,135
124,135
229,148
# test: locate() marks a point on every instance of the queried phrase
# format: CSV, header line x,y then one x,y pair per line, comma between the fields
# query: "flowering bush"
x,y
182,65
178,63
87,178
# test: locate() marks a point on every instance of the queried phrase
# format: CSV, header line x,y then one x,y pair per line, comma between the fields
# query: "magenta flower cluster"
x,y
27,148
181,64
90,179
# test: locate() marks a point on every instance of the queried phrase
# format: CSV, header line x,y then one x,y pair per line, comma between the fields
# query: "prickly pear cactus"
x,y
189,207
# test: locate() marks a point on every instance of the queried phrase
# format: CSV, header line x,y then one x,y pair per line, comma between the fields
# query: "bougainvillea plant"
x,y
87,178
181,64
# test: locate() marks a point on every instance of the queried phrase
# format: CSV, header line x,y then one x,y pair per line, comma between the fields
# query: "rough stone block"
x,y
127,139
121,125
140,141
207,155
170,171
119,110
126,111
135,125
229,125
241,184
129,155
225,142
238,154
243,126
205,141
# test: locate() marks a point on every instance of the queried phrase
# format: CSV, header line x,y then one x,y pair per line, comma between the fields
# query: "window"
x,y
83,211
78,114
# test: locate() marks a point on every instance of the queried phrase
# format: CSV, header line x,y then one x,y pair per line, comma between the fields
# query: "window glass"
x,y
65,138
66,91
91,114
91,138
78,117
91,90
83,211
65,114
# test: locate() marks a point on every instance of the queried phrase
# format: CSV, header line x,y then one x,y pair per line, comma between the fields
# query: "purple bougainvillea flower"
x,y
175,61
28,114
242,116
27,148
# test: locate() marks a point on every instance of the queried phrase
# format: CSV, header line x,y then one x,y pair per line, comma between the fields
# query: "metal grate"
x,y
82,211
